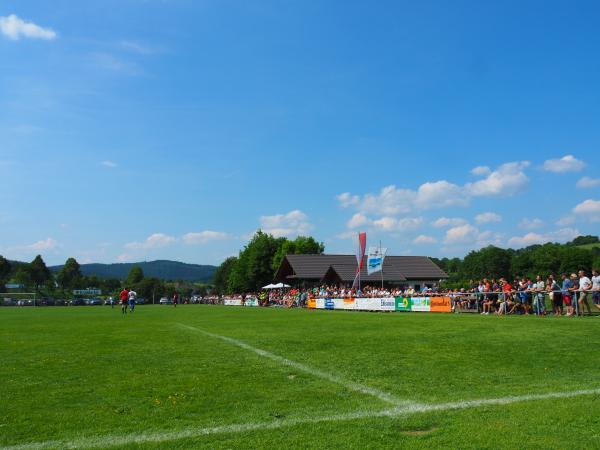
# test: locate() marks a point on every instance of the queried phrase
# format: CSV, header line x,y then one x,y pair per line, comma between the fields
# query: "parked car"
x,y
61,302
110,301
9,302
45,301
140,301
165,301
78,302
94,302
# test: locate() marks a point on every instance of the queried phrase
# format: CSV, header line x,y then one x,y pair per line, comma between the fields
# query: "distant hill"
x,y
163,269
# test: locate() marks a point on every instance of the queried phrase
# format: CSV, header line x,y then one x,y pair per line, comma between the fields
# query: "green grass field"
x,y
225,377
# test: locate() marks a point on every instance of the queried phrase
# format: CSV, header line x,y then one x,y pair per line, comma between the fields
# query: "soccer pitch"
x,y
227,377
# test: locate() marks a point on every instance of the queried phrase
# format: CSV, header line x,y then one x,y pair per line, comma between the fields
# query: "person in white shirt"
x,y
585,285
131,299
596,289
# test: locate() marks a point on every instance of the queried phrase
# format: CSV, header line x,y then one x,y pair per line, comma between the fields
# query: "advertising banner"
x,y
338,303
375,259
320,303
251,301
403,303
312,303
329,304
420,304
348,303
376,304
232,301
440,304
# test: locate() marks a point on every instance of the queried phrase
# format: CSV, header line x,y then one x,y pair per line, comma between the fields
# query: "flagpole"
x,y
381,256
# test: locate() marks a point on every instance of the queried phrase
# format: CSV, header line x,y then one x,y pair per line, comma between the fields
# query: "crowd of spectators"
x,y
569,294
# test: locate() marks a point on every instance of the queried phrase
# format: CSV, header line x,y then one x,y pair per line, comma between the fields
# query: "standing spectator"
x,y
539,288
585,285
175,299
555,294
567,284
574,289
596,289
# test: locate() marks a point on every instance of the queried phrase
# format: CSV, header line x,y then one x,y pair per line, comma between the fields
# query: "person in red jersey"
x,y
124,296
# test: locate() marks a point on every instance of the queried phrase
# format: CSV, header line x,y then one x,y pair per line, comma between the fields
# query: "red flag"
x,y
361,246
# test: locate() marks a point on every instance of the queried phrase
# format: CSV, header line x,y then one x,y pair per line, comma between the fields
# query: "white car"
x,y
165,301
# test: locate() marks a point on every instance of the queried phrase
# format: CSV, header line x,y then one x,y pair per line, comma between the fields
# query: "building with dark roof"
x,y
309,270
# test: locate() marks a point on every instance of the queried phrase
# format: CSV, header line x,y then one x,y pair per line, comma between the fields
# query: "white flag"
x,y
375,259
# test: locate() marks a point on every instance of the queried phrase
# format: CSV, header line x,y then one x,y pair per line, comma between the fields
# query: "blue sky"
x,y
134,130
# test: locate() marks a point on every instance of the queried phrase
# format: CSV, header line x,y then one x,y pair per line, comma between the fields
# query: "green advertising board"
x,y
403,303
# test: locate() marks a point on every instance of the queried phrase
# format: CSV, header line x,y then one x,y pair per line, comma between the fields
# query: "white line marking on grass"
x,y
196,432
351,385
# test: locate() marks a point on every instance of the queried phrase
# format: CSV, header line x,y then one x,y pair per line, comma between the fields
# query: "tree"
x,y
149,288
38,271
254,267
302,245
70,274
574,259
582,240
5,268
23,275
489,262
111,285
223,273
136,274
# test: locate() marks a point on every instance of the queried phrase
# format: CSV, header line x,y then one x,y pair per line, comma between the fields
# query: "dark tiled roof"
x,y
397,268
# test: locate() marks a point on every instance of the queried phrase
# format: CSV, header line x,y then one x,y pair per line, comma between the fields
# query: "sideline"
x,y
196,432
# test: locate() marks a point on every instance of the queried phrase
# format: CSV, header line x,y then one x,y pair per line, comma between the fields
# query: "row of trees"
x,y
546,259
36,276
258,261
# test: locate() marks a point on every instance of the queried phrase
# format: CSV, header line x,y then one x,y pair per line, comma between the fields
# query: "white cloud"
x,y
124,257
346,199
531,224
470,236
358,220
440,194
156,240
565,220
402,225
293,223
567,163
389,201
509,179
589,210
15,28
488,217
203,237
588,182
462,234
385,223
562,235
444,222
47,244
424,239
109,164
481,170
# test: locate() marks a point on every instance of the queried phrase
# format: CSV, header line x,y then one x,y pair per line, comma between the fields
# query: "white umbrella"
x,y
276,286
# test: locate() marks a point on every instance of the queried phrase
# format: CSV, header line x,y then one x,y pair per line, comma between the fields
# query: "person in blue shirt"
x,y
567,284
